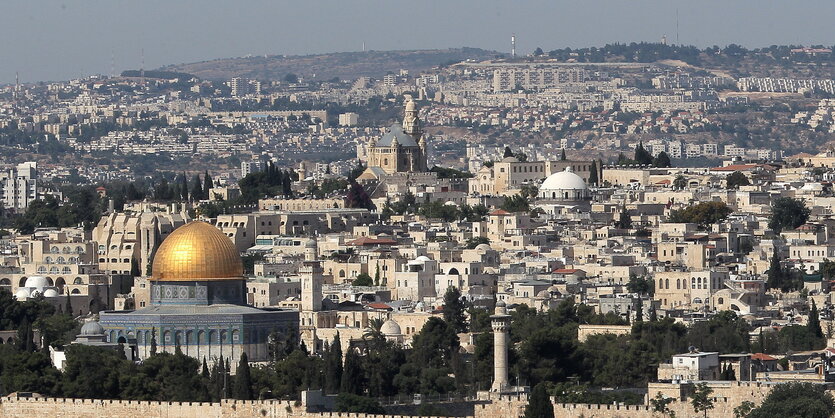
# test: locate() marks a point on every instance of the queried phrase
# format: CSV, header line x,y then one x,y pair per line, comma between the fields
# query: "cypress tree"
x,y
653,316
333,377
352,377
24,335
183,187
69,305
775,271
243,380
153,341
208,184
205,371
593,173
196,188
539,403
563,156
814,322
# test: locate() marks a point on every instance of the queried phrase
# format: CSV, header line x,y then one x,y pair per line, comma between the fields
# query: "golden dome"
x,y
197,251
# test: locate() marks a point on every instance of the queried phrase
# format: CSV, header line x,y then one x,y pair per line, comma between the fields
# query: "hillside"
x,y
345,65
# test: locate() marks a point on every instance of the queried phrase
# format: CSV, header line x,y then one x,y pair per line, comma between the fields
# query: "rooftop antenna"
x,y
112,64
363,46
142,66
513,45
677,42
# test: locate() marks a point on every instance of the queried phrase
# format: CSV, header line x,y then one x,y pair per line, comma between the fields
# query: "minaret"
x,y
312,277
501,330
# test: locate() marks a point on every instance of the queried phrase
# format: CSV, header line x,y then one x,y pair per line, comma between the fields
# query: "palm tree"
x,y
373,332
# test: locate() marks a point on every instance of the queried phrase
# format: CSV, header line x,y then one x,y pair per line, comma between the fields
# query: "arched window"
x,y
78,280
61,260
66,270
47,260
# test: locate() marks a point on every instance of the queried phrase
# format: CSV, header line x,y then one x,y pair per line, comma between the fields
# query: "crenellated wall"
x,y
22,407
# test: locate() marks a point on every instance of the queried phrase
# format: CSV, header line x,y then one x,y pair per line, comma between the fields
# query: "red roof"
x,y
736,167
359,242
499,212
565,271
379,305
663,182
763,357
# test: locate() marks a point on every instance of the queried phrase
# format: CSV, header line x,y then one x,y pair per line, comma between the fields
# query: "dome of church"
x,y
37,282
50,293
564,180
410,106
390,327
92,328
21,293
197,251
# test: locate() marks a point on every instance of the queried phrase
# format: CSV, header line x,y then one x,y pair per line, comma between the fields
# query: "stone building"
x,y
403,148
198,295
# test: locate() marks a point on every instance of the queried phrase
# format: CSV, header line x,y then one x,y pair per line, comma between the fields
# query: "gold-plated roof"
x,y
197,251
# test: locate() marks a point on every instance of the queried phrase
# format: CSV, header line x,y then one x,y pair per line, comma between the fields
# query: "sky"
x,y
46,40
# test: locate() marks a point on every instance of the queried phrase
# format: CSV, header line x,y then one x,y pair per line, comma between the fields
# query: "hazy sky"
x,y
57,40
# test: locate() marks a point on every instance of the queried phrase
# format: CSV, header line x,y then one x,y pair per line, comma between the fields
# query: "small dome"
x,y
483,247
543,294
500,304
410,106
423,259
91,328
50,293
311,243
37,282
510,160
391,327
564,180
22,293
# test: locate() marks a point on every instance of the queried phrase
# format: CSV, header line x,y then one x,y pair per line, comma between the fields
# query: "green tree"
x,y
662,160
680,182
563,156
776,274
593,176
701,399
243,380
814,322
703,214
640,285
661,405
454,310
805,400
624,220
348,402
787,213
333,366
476,241
507,152
642,156
352,377
539,403
736,179
363,279
516,203
743,409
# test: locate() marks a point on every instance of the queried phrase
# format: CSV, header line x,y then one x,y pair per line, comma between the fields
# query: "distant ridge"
x,y
345,65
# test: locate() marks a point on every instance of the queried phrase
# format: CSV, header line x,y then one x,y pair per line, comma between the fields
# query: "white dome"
x,y
22,293
564,180
483,247
50,293
423,259
391,327
37,282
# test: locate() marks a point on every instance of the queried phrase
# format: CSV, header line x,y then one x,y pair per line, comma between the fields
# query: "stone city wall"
x,y
23,407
